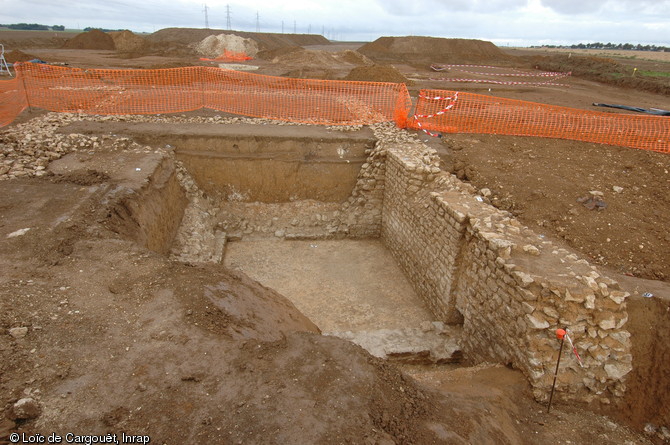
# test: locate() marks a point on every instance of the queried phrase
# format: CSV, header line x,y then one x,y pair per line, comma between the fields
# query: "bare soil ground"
x,y
120,338
525,177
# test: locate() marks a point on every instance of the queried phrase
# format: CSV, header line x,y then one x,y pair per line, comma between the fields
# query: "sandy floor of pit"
x,y
345,285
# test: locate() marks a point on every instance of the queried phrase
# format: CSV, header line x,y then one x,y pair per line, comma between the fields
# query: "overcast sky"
x,y
505,22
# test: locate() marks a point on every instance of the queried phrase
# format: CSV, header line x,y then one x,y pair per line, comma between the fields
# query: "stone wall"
x,y
509,287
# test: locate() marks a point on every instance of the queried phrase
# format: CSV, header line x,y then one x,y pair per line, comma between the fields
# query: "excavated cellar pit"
x,y
279,194
271,201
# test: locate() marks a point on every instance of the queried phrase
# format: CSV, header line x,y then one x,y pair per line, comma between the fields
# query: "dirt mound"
x,y
378,73
18,56
414,49
215,45
353,57
308,59
264,40
128,42
315,64
93,39
270,54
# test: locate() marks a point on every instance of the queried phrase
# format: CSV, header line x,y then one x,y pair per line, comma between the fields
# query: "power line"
x,y
228,26
258,22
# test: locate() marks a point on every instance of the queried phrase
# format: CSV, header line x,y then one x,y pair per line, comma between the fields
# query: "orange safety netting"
x,y
12,100
452,112
228,56
102,91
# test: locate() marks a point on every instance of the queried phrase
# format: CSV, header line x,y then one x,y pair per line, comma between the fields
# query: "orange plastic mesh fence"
x,y
102,91
12,100
452,112
228,56
329,102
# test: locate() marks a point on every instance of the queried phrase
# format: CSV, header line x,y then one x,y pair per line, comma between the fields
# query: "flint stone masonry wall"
x,y
511,289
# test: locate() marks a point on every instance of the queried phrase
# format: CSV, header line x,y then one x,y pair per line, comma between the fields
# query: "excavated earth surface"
x,y
116,338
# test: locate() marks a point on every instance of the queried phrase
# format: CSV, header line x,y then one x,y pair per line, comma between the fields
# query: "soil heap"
x,y
93,39
216,45
378,73
18,56
422,50
128,42
354,57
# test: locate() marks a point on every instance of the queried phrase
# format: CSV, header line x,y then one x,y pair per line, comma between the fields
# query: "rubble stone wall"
x,y
511,289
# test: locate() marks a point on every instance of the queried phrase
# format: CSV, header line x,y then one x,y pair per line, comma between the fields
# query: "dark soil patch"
x,y
82,177
377,73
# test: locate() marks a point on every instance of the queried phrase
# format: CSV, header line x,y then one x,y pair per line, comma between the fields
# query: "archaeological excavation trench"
x,y
365,234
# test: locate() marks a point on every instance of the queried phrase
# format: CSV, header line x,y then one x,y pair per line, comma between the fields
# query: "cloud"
x,y
429,9
610,8
573,6
521,21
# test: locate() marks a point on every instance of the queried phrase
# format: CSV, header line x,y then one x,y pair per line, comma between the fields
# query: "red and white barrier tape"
x,y
438,67
498,82
442,111
518,73
574,350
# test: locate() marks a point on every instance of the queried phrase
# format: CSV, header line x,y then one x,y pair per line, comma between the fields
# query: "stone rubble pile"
x,y
26,149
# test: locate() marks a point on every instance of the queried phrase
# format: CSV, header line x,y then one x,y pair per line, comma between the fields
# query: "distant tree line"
x,y
90,28
34,27
618,46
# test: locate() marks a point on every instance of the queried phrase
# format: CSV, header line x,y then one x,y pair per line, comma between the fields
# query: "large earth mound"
x,y
414,49
265,40
93,39
128,42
